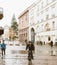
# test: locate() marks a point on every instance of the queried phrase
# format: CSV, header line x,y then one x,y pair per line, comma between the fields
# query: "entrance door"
x,y
49,38
32,35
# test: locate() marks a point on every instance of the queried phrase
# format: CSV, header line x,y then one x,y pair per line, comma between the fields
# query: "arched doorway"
x,y
32,35
49,38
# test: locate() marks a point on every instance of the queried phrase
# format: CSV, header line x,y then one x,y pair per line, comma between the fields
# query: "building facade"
x,y
12,33
6,32
39,22
43,19
32,22
23,26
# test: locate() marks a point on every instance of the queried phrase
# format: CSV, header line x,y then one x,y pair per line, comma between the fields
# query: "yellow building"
x,y
11,34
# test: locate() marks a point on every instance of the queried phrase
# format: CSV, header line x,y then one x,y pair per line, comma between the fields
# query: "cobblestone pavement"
x,y
17,55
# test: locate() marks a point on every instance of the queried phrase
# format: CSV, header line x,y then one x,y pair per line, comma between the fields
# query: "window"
x,y
53,6
26,34
47,9
47,2
38,8
42,20
49,38
22,21
53,15
47,17
42,4
38,21
26,17
42,27
53,0
41,12
37,14
53,25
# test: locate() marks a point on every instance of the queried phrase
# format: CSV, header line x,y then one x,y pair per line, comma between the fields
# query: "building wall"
x,y
43,17
32,20
46,17
11,33
6,32
23,26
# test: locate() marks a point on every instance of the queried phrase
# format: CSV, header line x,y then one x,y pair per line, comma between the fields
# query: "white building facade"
x,y
32,22
43,19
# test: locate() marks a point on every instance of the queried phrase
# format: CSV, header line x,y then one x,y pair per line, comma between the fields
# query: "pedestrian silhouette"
x,y
31,48
51,43
26,42
3,48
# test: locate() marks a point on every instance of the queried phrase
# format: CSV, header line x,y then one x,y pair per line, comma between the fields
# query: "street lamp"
x,y
1,30
1,13
1,16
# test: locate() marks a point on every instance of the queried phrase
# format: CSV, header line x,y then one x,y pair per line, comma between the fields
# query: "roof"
x,y
26,10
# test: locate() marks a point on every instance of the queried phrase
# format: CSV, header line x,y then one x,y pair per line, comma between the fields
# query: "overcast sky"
x,y
11,7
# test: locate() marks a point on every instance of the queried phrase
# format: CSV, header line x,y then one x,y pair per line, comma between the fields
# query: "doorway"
x,y
32,35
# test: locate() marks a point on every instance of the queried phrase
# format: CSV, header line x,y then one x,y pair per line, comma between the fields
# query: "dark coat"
x,y
30,47
51,43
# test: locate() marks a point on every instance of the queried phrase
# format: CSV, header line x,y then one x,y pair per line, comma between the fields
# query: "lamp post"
x,y
1,13
1,16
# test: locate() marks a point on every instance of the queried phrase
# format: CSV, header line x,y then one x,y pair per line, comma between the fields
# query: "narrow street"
x,y
17,55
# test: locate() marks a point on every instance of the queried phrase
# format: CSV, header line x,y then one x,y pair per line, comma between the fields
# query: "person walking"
x,y
51,43
26,42
3,48
31,48
0,44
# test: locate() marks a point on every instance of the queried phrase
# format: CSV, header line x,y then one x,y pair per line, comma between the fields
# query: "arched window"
x,y
53,25
49,38
47,27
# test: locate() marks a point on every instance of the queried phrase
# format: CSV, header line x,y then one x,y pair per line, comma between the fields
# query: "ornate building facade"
x,y
43,19
23,26
32,22
6,32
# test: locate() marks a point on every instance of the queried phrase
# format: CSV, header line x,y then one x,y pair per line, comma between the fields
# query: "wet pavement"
x,y
17,55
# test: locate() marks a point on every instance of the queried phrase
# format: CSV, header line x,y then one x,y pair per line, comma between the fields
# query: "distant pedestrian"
x,y
26,42
51,43
44,42
0,44
30,48
3,48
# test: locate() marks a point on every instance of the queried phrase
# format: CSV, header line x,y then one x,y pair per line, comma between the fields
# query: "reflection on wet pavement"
x,y
19,51
42,56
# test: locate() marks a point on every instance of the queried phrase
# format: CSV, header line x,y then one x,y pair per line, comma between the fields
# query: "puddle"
x,y
19,51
